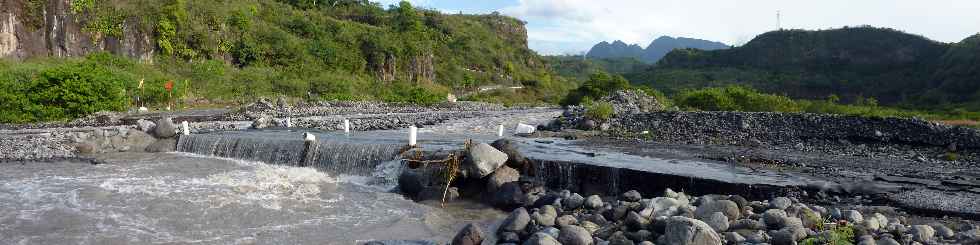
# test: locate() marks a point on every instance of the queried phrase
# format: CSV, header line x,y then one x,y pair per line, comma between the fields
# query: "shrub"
x,y
736,98
599,111
66,91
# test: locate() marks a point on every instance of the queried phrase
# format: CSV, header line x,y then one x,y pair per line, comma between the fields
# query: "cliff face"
x,y
32,28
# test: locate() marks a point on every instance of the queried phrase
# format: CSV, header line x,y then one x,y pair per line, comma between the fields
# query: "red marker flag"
x,y
169,85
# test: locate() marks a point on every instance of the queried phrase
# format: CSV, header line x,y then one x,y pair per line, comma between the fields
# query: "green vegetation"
x,y
734,98
599,84
236,51
59,91
842,235
897,68
581,68
599,111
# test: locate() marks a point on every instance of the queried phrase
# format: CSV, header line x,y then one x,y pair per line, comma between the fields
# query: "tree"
x,y
406,18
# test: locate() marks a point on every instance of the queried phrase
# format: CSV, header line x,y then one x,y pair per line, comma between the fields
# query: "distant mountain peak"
x,y
653,52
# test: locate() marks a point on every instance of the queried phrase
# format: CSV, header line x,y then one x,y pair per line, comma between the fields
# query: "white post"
x,y
308,137
185,127
346,126
289,122
412,135
500,130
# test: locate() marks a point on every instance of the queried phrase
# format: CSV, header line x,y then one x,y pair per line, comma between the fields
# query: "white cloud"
x,y
571,26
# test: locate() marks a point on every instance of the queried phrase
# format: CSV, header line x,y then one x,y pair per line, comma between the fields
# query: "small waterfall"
x,y
332,157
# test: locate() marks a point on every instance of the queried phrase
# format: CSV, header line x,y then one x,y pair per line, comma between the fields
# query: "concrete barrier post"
x,y
185,127
500,130
346,126
412,135
309,149
289,122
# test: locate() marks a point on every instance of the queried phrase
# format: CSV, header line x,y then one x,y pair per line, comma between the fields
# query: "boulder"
x,y
411,182
566,220
923,233
774,218
482,160
551,231
541,239
515,222
573,202
509,237
471,234
165,128
782,237
593,202
942,230
619,238
662,206
717,221
636,222
263,121
545,215
747,224
780,203
500,177
640,235
509,196
514,157
687,231
574,235
146,126
726,207
162,145
632,196
853,216
733,238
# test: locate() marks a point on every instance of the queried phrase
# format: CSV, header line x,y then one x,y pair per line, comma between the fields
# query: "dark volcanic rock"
x,y
515,159
471,234
515,222
509,196
574,235
163,145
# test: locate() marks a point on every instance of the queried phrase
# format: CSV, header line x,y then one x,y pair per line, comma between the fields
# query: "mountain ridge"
x,y
653,52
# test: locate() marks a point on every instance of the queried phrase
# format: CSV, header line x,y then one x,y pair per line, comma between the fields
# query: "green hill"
x,y
238,50
893,67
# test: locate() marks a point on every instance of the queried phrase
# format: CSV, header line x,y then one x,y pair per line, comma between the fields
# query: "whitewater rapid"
x,y
185,198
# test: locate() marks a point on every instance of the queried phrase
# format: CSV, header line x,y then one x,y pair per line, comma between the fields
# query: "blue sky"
x,y
573,26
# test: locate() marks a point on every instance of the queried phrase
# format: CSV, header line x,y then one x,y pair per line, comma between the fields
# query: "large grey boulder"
x,y
146,126
780,203
923,233
263,121
774,218
593,202
411,182
853,216
574,235
632,196
482,160
509,196
471,234
500,177
718,221
515,222
541,239
662,206
573,201
545,215
165,128
726,207
687,231
514,157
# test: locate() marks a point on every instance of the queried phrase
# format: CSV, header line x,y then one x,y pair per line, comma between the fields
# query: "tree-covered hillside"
x,y
237,50
854,63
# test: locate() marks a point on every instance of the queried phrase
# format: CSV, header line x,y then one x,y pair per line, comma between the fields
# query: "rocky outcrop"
x,y
49,28
791,128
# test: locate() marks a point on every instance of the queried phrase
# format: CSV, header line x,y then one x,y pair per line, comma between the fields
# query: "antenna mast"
x,y
779,23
